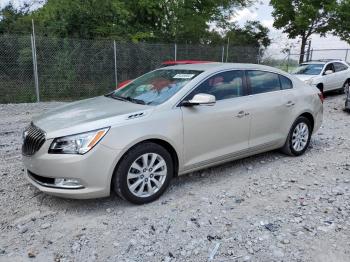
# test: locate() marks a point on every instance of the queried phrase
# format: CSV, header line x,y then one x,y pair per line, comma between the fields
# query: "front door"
x,y
218,132
329,81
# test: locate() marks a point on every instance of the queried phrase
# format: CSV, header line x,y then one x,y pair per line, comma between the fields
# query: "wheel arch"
x,y
320,87
310,117
160,141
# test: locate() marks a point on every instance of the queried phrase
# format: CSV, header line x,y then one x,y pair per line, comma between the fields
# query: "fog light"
x,y
68,183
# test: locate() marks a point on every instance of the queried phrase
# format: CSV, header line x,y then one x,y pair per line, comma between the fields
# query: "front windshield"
x,y
155,87
309,69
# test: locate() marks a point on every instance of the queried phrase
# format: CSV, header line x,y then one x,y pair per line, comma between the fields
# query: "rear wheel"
x,y
298,138
144,173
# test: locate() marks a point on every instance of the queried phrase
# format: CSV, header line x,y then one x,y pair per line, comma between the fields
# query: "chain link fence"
x,y
57,69
16,69
342,54
72,69
289,61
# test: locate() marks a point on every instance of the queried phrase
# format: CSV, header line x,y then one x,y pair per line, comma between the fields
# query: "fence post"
x,y
175,51
308,52
288,57
312,51
228,42
222,54
115,63
346,55
35,64
259,55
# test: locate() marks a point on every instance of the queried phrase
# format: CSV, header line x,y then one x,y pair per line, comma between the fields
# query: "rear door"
x,y
341,73
272,113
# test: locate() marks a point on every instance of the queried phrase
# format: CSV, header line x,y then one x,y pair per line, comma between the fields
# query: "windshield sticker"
x,y
183,76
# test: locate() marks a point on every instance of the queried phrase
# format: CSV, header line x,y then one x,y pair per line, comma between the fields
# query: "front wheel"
x,y
143,173
298,138
345,88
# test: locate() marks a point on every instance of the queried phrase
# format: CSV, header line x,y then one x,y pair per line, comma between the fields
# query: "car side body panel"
x,y
212,132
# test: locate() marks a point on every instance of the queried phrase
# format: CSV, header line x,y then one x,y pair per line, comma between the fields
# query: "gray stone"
x,y
45,226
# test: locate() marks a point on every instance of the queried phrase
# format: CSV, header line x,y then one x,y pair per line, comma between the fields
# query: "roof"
x,y
314,63
322,61
222,66
182,62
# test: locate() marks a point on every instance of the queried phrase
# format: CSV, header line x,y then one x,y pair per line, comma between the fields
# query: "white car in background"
x,y
326,75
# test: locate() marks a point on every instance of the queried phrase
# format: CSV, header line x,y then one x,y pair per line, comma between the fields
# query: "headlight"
x,y
309,81
77,144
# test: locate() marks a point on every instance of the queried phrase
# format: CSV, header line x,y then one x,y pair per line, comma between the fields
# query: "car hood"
x,y
86,115
305,77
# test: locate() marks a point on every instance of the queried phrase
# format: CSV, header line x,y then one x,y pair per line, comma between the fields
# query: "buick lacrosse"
x,y
166,123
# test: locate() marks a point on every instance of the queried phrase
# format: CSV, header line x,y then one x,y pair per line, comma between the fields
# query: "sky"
x,y
261,11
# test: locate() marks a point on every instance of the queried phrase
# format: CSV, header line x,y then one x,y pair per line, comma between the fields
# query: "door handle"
x,y
242,114
290,103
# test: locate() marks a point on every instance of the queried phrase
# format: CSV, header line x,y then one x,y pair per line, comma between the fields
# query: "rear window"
x,y
340,67
286,83
263,82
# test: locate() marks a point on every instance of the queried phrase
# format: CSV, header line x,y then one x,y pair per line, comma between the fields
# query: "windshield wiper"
x,y
114,96
135,100
126,99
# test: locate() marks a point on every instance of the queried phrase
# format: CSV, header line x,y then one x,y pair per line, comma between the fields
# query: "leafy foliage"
x,y
14,20
341,22
189,21
302,18
253,34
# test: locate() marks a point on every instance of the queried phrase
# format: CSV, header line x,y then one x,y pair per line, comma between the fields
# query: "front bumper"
x,y
94,171
318,120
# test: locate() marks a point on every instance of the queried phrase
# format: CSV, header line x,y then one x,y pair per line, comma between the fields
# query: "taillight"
x,y
320,95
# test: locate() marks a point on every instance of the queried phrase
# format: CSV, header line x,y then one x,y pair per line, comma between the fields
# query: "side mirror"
x,y
200,99
328,72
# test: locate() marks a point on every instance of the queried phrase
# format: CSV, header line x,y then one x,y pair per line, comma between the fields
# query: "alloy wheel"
x,y
300,136
146,175
346,87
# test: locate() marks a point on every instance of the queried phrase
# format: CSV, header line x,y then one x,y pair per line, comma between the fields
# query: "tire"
x,y
135,178
291,146
344,88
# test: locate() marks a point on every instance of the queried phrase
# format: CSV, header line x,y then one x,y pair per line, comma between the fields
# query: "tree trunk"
x,y
302,49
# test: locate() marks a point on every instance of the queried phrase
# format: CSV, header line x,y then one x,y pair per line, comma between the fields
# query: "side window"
x,y
286,83
329,67
223,86
262,82
339,67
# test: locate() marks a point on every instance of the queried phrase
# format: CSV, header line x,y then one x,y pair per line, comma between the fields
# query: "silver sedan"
x,y
166,123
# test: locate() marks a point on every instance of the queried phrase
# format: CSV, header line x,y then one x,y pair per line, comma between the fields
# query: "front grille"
x,y
34,138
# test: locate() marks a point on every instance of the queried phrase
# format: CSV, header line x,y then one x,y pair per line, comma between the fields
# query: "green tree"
x,y
341,22
82,19
302,18
138,20
14,20
252,34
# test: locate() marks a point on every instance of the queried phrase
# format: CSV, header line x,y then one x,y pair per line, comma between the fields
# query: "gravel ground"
x,y
269,207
